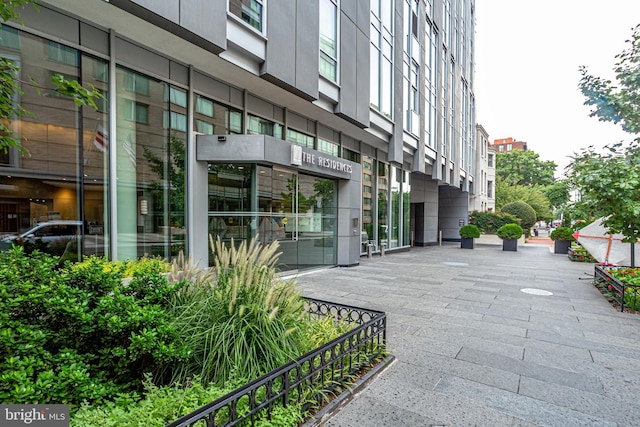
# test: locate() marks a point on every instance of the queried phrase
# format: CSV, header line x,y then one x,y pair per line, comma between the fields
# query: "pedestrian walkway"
x,y
489,338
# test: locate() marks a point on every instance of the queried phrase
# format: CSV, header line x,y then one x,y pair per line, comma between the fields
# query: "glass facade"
x,y
298,210
53,196
117,185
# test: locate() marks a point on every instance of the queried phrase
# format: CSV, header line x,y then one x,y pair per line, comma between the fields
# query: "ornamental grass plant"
x,y
243,319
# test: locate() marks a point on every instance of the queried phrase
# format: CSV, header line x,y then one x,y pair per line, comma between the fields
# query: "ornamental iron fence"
x,y
306,380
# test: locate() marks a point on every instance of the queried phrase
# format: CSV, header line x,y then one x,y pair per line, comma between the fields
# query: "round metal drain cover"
x,y
536,291
455,264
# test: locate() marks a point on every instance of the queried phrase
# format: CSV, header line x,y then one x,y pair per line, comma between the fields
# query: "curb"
x,y
346,396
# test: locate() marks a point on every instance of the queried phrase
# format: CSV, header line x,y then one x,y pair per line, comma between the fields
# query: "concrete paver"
x,y
472,349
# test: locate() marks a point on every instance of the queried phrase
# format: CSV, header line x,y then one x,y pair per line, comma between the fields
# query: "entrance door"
x,y
276,204
285,199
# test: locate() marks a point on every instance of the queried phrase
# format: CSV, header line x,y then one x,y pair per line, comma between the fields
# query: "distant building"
x,y
508,144
482,198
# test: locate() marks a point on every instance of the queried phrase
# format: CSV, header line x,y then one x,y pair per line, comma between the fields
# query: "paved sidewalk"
x,y
472,349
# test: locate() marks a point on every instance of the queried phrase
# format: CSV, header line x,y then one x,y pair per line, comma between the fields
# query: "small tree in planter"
x,y
468,233
509,233
562,238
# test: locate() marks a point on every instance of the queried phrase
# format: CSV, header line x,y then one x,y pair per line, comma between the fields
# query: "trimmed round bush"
x,y
469,231
523,211
509,232
562,233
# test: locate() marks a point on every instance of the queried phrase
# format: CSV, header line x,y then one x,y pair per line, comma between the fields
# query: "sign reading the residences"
x,y
300,157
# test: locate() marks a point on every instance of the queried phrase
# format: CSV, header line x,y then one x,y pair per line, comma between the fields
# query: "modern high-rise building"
x,y
332,126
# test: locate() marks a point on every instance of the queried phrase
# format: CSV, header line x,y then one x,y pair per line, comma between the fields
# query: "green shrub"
x,y
562,233
247,321
78,333
469,231
489,222
509,232
164,405
523,211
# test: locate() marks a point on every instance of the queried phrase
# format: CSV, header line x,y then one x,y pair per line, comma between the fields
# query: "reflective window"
x,y
53,197
381,56
328,147
275,204
151,168
249,11
300,138
383,204
212,117
259,126
329,39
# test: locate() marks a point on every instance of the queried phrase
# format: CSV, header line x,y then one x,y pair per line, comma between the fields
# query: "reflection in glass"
x,y
299,211
150,157
383,204
52,197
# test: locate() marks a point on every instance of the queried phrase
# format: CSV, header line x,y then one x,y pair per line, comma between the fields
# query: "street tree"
x,y
518,167
609,180
557,194
11,85
533,196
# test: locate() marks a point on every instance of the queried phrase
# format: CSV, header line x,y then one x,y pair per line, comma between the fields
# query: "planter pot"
x,y
466,243
561,246
510,245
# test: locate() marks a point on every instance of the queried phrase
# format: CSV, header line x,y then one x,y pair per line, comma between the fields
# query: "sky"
x,y
527,56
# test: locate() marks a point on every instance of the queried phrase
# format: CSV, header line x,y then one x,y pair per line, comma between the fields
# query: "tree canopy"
x,y
533,196
609,180
518,167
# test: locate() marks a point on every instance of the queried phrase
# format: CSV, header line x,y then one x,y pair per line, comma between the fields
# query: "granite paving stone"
x,y
472,349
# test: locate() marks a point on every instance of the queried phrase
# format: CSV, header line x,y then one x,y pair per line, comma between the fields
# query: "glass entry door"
x,y
273,203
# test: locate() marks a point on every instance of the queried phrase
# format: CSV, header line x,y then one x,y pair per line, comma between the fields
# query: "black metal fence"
x,y
307,379
625,295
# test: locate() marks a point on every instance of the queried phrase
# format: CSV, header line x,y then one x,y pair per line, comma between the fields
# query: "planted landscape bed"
x,y
310,381
143,342
578,253
620,285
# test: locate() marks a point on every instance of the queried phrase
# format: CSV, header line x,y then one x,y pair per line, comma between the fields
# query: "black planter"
x,y
561,246
510,245
466,243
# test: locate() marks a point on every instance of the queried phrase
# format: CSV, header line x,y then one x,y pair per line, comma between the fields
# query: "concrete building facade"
x,y
332,126
483,198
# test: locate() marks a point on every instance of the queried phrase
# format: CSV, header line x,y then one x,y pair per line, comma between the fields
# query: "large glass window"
x,y
328,147
406,209
329,39
411,68
300,138
299,211
53,196
381,35
383,204
259,126
395,213
249,11
150,157
368,196
211,117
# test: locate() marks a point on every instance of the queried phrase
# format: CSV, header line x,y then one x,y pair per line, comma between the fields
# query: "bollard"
x,y
369,250
382,247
